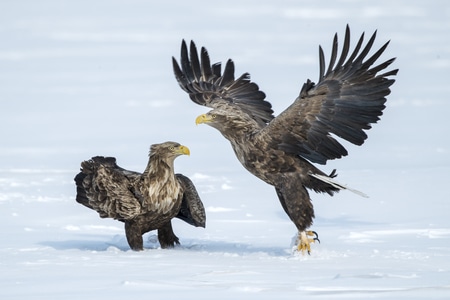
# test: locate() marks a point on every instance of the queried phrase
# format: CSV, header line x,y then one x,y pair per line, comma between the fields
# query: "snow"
x,y
84,78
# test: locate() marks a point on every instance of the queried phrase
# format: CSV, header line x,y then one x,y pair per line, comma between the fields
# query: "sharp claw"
x,y
316,238
305,238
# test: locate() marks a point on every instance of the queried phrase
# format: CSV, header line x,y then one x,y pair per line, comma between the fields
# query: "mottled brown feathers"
x,y
348,98
146,201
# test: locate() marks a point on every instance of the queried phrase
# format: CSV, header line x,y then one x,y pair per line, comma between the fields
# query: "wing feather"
x,y
321,63
227,79
348,98
195,65
355,51
186,64
207,69
333,55
345,48
106,188
191,210
208,86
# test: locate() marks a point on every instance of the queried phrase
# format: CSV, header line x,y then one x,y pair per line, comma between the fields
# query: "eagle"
x,y
143,201
349,96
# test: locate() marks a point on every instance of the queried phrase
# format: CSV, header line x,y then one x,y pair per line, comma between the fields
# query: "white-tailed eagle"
x,y
144,202
348,98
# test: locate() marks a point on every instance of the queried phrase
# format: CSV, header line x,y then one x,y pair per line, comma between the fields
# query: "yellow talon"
x,y
304,242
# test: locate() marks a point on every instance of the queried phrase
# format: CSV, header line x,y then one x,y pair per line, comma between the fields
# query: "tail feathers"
x,y
334,183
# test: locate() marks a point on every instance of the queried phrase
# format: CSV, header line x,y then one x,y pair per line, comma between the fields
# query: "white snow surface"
x,y
84,78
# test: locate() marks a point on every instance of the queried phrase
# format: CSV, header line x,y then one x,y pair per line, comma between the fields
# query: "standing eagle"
x,y
347,99
146,201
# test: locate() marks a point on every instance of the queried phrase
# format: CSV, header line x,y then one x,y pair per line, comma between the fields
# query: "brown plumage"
x,y
146,201
347,99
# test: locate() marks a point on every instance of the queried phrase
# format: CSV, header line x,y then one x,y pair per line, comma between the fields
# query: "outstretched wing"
x,y
206,85
348,98
107,188
192,210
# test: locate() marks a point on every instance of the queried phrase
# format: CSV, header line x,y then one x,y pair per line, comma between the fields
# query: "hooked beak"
x,y
203,119
183,150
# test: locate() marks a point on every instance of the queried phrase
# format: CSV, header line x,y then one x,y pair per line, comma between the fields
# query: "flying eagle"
x,y
146,201
347,99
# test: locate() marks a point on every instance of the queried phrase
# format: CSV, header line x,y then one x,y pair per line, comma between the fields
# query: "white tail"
x,y
336,184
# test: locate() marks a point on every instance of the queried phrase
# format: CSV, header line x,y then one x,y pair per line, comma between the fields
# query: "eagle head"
x,y
230,122
169,150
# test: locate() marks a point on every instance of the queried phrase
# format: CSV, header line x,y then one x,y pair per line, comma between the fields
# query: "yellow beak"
x,y
184,150
203,119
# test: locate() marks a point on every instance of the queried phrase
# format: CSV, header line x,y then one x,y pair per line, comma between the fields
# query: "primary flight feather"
x,y
348,98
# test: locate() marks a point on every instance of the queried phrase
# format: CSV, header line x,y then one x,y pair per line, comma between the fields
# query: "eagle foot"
x,y
304,241
166,236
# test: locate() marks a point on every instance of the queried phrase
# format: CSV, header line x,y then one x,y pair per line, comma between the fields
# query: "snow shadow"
x,y
85,245
150,243
234,248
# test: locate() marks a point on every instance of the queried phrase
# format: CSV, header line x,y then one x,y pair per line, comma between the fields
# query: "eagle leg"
x,y
166,236
134,236
304,241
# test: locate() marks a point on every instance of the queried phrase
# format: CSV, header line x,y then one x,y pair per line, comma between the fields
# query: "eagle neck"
x,y
157,165
240,130
159,185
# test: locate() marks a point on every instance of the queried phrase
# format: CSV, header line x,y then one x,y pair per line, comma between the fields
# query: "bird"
x,y
281,150
142,201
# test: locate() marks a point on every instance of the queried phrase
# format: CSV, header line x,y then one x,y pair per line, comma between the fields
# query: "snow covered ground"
x,y
83,78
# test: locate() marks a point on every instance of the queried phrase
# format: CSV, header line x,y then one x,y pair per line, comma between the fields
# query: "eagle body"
x,y
144,202
287,172
348,97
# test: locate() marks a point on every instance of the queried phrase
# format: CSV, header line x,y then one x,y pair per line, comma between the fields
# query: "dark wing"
x,y
192,210
206,85
107,188
348,98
